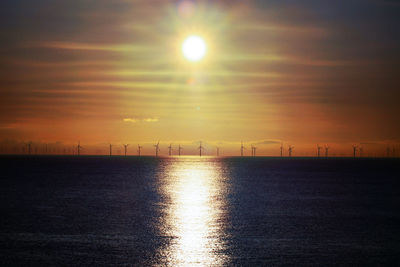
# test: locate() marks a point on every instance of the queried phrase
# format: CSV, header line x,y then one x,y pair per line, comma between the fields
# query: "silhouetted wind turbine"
x,y
319,150
179,149
139,148
157,147
126,148
200,148
79,148
354,150
241,149
290,150
361,150
29,147
281,149
170,149
253,150
326,151
217,151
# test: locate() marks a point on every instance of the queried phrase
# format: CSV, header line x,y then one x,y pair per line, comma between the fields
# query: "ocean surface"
x,y
191,211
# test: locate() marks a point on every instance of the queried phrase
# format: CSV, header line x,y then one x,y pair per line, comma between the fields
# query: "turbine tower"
x,y
126,148
319,150
110,150
354,150
290,150
241,149
361,150
79,147
253,150
217,151
200,148
326,151
170,149
139,148
179,149
29,147
157,147
281,149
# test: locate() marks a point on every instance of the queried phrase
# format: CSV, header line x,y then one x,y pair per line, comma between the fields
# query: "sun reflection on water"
x,y
195,211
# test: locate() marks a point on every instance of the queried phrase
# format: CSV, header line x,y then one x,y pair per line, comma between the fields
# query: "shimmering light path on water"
x,y
191,211
197,206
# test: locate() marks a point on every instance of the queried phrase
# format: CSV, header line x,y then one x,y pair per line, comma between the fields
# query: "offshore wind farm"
x,y
275,148
199,133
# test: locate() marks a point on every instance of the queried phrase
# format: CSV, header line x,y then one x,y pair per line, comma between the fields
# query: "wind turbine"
x,y
241,149
157,147
253,150
110,150
29,147
354,150
290,150
126,148
139,148
217,151
319,150
179,149
326,150
200,148
170,149
79,148
281,149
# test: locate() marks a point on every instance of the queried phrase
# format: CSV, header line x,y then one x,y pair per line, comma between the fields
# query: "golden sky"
x,y
112,71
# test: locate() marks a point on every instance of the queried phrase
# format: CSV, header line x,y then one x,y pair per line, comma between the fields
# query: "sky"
x,y
298,72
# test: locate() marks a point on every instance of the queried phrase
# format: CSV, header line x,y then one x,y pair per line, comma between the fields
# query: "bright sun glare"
x,y
194,48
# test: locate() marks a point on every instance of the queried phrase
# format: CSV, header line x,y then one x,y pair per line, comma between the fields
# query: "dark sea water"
x,y
191,211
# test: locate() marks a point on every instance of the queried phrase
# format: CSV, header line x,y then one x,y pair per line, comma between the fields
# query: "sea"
x,y
199,211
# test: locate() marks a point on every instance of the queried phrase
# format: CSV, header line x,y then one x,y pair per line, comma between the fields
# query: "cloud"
x,y
293,60
373,143
150,120
91,46
135,120
130,120
268,142
264,27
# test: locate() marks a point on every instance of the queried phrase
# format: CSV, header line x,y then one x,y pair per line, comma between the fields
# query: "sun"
x,y
194,48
